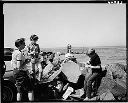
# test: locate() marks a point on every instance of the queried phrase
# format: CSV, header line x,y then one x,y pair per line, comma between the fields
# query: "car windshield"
x,y
8,54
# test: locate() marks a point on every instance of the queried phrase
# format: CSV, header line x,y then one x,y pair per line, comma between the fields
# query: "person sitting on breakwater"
x,y
95,64
68,57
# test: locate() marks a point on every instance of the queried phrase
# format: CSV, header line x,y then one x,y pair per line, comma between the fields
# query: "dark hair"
x,y
34,37
19,42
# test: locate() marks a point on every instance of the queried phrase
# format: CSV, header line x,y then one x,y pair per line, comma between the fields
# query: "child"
x,y
34,51
20,72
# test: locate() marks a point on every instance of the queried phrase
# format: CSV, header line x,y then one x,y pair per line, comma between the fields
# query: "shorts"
x,y
23,82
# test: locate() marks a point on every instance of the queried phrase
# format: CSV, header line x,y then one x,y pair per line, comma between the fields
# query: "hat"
x,y
90,51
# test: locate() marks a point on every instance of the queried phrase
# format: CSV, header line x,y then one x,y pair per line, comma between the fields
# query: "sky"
x,y
59,24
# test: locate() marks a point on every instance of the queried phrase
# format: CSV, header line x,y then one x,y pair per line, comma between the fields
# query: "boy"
x,y
20,72
34,51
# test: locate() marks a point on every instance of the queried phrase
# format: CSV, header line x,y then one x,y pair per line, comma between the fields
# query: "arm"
x,y
94,67
95,62
65,60
38,49
28,50
20,62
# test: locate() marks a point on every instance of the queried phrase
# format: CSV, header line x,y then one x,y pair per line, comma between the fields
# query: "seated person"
x,y
95,65
56,59
68,57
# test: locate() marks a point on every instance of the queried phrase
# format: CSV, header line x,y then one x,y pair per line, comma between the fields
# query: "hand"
x,y
87,63
87,66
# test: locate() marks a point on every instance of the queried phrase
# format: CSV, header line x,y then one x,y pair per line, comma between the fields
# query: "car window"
x,y
8,54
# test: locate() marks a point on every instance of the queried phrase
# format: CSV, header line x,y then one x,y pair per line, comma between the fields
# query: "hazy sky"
x,y
58,24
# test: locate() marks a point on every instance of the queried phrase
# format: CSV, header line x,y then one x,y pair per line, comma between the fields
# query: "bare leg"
x,y
33,69
40,70
19,96
39,77
31,96
91,79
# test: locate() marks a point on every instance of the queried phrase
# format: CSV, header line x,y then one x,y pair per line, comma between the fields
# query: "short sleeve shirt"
x,y
17,56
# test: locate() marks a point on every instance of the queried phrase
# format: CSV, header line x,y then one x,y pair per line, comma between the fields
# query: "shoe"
x,y
83,96
62,99
87,99
39,79
94,94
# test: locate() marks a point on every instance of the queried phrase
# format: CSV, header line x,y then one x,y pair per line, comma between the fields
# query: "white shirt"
x,y
68,55
47,69
18,56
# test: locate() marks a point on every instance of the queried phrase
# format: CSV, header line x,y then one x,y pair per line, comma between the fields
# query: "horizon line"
x,y
84,46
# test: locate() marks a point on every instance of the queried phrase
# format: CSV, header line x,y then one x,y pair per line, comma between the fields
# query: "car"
x,y
8,82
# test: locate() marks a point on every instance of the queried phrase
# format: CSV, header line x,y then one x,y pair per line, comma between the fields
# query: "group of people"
x,y
86,82
25,63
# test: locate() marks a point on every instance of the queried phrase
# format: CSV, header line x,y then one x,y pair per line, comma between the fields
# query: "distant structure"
x,y
69,47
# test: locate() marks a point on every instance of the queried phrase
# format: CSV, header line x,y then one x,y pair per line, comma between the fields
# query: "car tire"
x,y
8,93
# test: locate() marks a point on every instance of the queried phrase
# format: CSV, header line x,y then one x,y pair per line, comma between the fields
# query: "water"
x,y
107,55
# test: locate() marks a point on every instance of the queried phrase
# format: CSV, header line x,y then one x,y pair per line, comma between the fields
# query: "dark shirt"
x,y
95,61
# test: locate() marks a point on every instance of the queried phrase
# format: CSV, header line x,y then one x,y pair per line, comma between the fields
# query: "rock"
x,y
78,93
94,99
106,84
107,96
116,70
114,81
119,90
